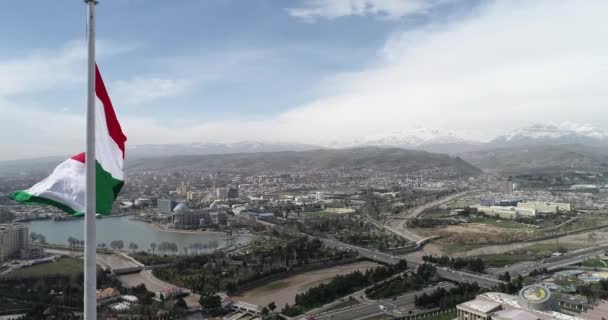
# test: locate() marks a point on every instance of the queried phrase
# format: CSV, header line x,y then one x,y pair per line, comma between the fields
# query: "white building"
x,y
533,303
507,212
546,207
107,296
13,239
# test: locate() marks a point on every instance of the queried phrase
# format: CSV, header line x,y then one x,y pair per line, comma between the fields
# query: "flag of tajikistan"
x,y
65,187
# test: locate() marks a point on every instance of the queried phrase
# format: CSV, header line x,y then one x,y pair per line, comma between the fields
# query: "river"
x,y
127,230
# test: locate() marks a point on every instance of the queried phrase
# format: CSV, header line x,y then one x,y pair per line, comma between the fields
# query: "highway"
x,y
399,306
486,281
401,228
554,263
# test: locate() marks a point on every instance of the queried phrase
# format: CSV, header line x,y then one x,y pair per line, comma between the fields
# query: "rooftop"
x,y
514,315
482,305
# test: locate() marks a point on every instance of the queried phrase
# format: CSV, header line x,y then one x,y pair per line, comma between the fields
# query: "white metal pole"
x,y
90,266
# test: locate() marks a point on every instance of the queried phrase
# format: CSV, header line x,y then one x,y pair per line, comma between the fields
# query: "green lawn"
x,y
595,263
317,214
501,260
541,247
63,266
586,221
501,223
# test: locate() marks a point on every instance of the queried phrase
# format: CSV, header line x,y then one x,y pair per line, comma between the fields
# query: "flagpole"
x,y
90,266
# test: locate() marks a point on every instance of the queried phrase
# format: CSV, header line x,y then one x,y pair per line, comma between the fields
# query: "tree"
x,y
41,239
180,305
506,277
173,247
133,246
117,244
272,306
72,241
153,246
210,301
264,312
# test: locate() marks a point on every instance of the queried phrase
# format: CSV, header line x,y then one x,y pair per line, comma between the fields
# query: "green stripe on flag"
x,y
108,189
26,198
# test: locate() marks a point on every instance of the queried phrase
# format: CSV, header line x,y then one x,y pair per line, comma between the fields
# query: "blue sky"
x,y
311,71
246,57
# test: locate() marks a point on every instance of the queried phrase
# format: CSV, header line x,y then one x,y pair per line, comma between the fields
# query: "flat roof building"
x,y
13,240
533,302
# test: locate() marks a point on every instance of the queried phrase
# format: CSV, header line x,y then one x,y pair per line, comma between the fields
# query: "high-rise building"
x,y
506,186
221,193
13,239
233,193
165,206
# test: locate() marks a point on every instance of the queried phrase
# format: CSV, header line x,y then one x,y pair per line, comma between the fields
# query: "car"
x,y
383,308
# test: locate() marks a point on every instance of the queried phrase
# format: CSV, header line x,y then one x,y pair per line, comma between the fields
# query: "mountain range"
x,y
545,148
416,138
361,159
536,148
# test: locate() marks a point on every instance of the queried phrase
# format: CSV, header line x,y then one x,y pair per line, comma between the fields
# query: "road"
x,y
570,258
415,212
401,228
486,281
397,307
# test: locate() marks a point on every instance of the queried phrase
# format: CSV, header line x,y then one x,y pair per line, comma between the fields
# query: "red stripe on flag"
x,y
113,125
79,157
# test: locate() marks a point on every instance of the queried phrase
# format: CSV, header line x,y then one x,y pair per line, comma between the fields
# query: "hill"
x,y
538,159
355,159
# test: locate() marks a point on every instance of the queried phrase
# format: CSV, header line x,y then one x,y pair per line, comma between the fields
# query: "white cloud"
x,y
44,69
511,64
141,90
331,9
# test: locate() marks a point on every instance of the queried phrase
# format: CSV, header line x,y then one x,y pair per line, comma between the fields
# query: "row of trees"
x,y
472,264
430,222
194,248
510,285
424,275
447,299
217,272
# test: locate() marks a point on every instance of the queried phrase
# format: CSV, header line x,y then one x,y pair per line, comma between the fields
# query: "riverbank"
x,y
165,228
130,230
284,291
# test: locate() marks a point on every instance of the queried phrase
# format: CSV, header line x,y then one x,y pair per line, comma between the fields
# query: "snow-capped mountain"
x,y
408,138
553,134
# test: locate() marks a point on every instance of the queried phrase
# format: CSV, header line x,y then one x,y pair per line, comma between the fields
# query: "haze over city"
x,y
318,72
304,160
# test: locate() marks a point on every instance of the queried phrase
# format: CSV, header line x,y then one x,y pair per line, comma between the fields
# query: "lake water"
x,y
127,230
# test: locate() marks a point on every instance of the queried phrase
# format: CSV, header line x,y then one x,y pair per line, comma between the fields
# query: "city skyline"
x,y
348,69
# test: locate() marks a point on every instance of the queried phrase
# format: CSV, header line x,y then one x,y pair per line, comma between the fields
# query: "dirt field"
x,y
570,242
284,291
476,233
